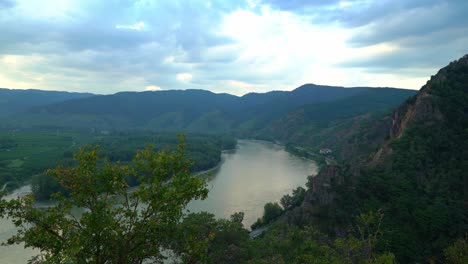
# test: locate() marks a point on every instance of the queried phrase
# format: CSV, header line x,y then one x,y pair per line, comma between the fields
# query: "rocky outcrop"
x,y
420,108
320,188
320,193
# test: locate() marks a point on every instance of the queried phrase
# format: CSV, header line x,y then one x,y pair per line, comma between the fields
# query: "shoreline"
x,y
202,173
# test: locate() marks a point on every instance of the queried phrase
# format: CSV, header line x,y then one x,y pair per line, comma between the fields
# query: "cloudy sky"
x,y
226,46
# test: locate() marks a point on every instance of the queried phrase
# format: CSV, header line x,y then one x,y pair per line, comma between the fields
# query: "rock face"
x,y
320,189
420,108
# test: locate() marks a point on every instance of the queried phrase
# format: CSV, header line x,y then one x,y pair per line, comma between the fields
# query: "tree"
x,y
288,202
457,253
271,212
118,225
43,186
204,239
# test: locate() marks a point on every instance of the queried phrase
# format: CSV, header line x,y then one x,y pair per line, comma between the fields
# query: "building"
x,y
325,151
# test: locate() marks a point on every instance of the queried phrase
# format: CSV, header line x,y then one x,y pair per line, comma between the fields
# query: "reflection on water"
x,y
256,173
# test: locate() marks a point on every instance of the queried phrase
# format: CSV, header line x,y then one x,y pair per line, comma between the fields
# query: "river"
x,y
253,174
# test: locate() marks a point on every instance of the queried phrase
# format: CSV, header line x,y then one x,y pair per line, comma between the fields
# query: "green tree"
x,y
271,212
289,202
204,239
43,186
457,253
118,225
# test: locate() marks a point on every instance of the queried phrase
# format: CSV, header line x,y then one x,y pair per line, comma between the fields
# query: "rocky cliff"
x,y
423,108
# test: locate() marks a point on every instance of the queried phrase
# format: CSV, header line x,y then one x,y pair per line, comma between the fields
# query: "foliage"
x,y
422,183
271,212
457,253
332,124
43,186
38,149
197,110
292,244
204,239
117,225
288,202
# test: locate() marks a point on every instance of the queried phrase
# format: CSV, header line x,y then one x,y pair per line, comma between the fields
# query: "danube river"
x,y
255,173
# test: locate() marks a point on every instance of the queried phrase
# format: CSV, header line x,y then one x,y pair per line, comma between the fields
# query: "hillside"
x,y
328,124
14,101
416,176
204,111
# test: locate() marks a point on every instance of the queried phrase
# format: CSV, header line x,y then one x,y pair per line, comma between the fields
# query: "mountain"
x,y
415,172
14,101
323,124
260,114
199,110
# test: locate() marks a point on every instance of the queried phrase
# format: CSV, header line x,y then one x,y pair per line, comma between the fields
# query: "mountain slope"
x,y
13,101
323,124
417,177
193,110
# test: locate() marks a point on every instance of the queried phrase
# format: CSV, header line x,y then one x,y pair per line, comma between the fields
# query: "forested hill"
x,y
416,177
198,110
327,124
14,101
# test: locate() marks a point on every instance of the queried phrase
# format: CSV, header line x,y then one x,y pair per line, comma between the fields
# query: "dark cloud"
x,y
423,36
416,20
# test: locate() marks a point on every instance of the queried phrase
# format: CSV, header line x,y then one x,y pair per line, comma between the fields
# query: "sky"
x,y
235,47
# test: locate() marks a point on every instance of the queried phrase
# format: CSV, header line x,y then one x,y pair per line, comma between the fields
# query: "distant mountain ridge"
x,y
15,100
196,110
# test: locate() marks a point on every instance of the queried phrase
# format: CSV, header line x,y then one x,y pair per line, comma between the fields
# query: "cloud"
x,y
424,35
184,77
226,46
152,88
137,26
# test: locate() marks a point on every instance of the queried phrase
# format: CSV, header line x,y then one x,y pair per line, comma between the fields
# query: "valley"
x,y
387,161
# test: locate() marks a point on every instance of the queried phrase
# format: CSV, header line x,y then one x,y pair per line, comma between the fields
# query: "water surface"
x,y
255,173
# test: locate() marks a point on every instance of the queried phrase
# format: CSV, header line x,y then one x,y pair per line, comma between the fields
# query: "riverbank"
x,y
207,173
